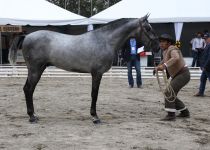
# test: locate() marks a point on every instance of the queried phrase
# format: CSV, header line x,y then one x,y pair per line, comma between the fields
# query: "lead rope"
x,y
167,86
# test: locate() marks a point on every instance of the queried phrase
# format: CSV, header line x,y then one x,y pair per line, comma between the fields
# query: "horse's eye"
x,y
147,28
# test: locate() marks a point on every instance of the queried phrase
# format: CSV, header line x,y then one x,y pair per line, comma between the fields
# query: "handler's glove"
x,y
160,67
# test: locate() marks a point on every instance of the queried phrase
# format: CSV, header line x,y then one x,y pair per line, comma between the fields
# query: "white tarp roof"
x,y
34,12
160,10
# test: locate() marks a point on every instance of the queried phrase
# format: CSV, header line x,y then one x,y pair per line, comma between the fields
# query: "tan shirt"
x,y
173,59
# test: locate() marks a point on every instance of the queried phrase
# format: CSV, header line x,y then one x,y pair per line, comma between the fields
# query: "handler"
x,y
173,62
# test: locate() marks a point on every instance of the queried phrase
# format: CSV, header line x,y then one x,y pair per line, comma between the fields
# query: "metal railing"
x,y
114,72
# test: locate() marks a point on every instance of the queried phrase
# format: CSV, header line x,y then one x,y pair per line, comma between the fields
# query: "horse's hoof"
x,y
33,119
96,120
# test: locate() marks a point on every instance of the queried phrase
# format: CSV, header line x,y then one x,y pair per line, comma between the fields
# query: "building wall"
x,y
188,32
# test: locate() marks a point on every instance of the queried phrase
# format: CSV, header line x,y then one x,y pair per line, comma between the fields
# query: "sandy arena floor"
x,y
130,117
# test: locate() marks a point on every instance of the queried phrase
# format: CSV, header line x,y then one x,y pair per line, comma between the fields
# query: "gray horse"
x,y
92,52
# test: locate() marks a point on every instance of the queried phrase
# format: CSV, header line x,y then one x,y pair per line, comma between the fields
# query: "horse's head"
x,y
147,35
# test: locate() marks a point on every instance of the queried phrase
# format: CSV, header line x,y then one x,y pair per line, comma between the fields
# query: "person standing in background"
x,y
131,56
205,67
198,44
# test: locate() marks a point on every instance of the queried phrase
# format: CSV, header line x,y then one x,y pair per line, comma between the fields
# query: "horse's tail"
x,y
16,44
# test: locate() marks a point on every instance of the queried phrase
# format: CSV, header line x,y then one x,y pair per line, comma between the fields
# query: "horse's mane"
x,y
115,23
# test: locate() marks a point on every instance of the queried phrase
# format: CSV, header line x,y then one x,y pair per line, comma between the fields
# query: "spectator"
x,y
205,32
205,36
205,67
197,48
130,55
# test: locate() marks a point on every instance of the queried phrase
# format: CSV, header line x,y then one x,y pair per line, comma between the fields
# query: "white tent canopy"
x,y
35,12
161,11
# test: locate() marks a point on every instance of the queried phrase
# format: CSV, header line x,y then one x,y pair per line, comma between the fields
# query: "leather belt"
x,y
181,71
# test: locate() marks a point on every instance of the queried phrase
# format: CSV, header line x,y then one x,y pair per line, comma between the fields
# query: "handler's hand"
x,y
160,68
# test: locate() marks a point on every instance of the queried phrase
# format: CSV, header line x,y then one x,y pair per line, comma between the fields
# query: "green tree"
x,y
83,7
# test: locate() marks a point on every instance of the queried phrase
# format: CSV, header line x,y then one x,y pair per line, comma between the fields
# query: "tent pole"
x,y
178,30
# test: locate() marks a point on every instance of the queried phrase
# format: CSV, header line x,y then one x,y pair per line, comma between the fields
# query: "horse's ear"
x,y
145,18
148,14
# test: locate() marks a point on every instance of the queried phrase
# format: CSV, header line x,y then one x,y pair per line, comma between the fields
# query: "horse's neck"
x,y
118,36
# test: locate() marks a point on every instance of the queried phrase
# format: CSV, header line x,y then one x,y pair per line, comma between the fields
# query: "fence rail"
x,y
114,72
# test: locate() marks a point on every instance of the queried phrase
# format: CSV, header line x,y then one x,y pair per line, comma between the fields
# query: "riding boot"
x,y
169,117
184,114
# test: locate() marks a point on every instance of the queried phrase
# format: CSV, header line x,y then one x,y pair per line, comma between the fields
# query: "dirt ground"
x,y
130,117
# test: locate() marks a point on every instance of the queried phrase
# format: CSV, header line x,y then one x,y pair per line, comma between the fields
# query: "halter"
x,y
146,34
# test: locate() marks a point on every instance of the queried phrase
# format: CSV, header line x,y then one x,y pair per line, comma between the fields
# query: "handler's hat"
x,y
167,37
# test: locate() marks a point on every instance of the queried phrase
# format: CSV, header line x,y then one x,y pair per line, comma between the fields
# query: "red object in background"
x,y
143,53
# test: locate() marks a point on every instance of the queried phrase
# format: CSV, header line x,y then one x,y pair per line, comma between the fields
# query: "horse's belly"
x,y
72,66
84,62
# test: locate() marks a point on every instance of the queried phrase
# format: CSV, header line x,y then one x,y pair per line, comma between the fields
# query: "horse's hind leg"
x,y
96,80
34,74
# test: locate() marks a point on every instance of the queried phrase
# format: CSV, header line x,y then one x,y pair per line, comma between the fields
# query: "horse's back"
x,y
80,53
61,50
42,37
40,43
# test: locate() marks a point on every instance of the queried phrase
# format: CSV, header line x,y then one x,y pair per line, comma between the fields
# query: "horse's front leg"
x,y
96,80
